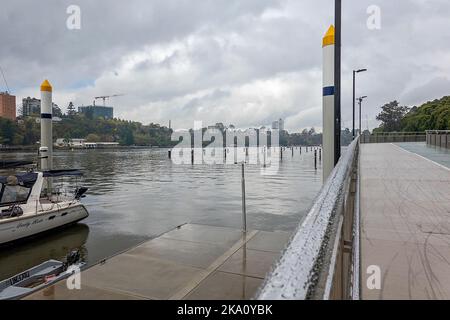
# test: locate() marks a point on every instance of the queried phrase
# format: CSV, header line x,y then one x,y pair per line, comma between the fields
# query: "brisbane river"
x,y
138,194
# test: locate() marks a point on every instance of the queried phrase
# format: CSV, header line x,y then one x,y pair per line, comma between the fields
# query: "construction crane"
x,y
4,79
107,97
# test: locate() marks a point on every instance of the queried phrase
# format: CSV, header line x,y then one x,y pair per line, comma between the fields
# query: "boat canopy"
x,y
7,164
62,173
28,179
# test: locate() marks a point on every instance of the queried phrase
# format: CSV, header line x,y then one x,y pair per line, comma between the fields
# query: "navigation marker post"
x,y
46,148
328,101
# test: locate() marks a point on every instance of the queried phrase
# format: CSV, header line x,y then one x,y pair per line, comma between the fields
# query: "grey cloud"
x,y
248,61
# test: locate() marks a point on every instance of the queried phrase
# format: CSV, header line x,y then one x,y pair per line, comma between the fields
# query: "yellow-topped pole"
x,y
46,149
328,45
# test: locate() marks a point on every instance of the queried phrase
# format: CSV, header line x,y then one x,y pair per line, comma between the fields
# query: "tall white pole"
x,y
46,149
328,103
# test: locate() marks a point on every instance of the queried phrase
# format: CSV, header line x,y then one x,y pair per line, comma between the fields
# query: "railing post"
x,y
244,209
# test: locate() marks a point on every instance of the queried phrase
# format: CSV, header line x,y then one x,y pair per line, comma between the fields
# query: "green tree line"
x,y
27,131
432,115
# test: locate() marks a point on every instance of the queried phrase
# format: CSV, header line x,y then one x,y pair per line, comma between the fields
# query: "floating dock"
x,y
190,262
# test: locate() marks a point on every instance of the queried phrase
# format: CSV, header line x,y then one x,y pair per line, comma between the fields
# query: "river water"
x,y
137,194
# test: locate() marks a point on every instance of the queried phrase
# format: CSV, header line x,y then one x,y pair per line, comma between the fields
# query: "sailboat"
x,y
26,209
29,203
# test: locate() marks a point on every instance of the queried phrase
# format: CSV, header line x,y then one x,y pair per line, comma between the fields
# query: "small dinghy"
x,y
39,277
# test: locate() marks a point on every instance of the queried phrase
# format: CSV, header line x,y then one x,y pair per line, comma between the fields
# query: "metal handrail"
x,y
438,131
404,133
311,252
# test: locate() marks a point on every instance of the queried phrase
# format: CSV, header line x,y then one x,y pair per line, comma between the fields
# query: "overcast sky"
x,y
245,62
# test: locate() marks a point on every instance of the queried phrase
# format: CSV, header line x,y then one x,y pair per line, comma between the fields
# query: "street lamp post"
x,y
337,80
354,86
360,100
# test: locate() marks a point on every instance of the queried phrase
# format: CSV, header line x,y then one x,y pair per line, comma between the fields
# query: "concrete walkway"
x,y
190,262
405,221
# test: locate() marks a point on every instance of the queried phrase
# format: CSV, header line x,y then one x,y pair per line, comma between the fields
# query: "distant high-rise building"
x,y
278,125
7,106
281,124
275,125
97,111
31,107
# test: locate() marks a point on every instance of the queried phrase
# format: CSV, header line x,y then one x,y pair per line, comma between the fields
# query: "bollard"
x,y
170,154
315,159
264,150
244,210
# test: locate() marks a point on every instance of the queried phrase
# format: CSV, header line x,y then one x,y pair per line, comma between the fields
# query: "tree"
x,y
391,116
433,115
127,137
8,130
71,109
56,111
92,137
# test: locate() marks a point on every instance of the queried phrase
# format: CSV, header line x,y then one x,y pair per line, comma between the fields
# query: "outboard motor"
x,y
72,258
80,193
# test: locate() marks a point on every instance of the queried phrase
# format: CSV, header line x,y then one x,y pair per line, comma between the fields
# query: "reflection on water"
x,y
24,255
137,194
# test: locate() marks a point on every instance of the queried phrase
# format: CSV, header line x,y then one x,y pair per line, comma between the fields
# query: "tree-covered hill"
x,y
433,115
27,131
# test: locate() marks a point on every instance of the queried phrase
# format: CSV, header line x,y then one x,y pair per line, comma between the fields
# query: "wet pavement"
x,y
405,224
190,262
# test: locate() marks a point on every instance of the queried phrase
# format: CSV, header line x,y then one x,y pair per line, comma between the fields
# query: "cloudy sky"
x,y
245,62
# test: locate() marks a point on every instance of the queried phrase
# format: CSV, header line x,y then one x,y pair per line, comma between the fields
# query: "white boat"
x,y
26,209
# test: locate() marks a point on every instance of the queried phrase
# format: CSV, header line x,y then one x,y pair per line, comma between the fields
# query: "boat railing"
x,y
58,194
321,260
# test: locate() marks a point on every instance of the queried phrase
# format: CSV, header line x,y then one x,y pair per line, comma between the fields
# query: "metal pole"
x,y
244,210
360,102
353,122
264,151
315,159
337,81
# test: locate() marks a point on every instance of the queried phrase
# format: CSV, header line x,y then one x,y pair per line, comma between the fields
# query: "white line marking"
x,y
416,154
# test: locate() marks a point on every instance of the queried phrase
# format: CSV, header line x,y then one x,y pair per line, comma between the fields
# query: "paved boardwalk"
x,y
405,221
190,262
